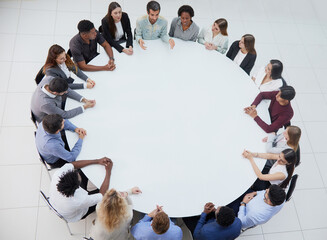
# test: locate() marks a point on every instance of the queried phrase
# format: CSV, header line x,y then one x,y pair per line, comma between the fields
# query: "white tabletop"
x,y
172,121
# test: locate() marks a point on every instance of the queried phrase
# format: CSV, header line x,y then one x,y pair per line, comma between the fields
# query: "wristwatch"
x,y
243,203
111,58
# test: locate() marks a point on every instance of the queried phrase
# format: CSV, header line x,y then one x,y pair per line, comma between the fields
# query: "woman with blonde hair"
x,y
59,64
114,215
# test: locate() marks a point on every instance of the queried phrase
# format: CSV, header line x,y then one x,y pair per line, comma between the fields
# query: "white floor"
x,y
294,31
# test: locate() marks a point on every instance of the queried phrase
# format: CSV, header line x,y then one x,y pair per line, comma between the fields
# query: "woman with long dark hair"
x,y
269,78
116,29
59,64
243,53
280,173
215,37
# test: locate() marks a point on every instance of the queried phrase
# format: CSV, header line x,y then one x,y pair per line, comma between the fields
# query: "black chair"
x,y
292,187
69,53
298,156
39,76
46,199
101,29
33,118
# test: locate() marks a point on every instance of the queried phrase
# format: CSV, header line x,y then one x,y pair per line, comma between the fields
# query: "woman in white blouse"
x,y
216,37
114,215
269,78
280,173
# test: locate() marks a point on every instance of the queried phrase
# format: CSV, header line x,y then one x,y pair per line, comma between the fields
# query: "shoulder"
x,y
162,20
235,44
195,26
104,20
124,15
142,19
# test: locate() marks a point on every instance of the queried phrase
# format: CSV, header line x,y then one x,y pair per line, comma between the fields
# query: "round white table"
x,y
172,121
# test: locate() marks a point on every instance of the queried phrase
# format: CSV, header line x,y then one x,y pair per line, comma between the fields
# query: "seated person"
x,y
47,99
280,173
116,29
243,53
280,109
59,64
222,225
84,47
160,228
182,26
152,26
269,78
259,207
49,143
216,37
114,215
68,198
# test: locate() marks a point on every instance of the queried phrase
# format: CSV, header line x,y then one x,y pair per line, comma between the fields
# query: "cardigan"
x,y
57,72
126,24
249,60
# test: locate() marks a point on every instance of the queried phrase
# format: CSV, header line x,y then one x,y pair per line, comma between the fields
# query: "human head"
x,y
114,11
292,134
276,69
225,216
153,10
186,13
58,86
275,194
68,183
287,93
86,29
160,223
56,55
112,210
53,123
248,41
221,24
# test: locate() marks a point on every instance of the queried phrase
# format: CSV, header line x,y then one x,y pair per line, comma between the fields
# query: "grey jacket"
x,y
43,104
57,72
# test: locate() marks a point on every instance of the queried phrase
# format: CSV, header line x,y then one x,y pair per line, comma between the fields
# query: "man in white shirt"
x,y
259,207
68,198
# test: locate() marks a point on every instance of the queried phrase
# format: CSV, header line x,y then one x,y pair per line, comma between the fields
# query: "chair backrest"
x,y
101,29
292,187
33,118
46,199
298,156
69,53
39,76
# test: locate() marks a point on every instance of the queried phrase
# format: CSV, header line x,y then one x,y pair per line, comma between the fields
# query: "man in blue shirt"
x,y
152,26
160,228
224,226
50,144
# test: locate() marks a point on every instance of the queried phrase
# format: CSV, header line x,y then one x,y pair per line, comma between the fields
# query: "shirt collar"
x,y
47,92
179,23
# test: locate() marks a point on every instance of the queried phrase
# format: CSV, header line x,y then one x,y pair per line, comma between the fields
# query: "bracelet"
x,y
111,58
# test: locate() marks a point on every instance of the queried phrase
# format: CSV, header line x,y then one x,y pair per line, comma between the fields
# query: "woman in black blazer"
x,y
115,27
243,47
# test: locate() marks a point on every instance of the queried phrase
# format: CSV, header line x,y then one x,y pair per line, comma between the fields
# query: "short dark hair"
x,y
85,26
52,123
276,195
68,183
287,93
160,223
276,69
225,216
58,85
186,8
153,5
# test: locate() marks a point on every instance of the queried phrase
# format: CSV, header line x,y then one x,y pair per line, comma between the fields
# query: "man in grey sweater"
x,y
47,99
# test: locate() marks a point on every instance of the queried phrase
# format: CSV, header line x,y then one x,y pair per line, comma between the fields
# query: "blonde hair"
x,y
112,210
294,134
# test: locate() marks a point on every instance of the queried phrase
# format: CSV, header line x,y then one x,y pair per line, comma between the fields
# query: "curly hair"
x,y
186,8
112,210
68,183
225,216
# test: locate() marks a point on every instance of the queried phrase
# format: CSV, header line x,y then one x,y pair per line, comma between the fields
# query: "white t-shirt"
x,y
239,57
64,68
278,168
119,31
75,207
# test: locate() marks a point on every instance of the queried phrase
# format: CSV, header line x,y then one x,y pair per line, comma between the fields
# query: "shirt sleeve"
x,y
222,49
201,36
199,226
137,229
246,222
56,149
69,126
51,108
274,126
100,38
138,31
263,95
195,34
172,27
92,199
163,34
